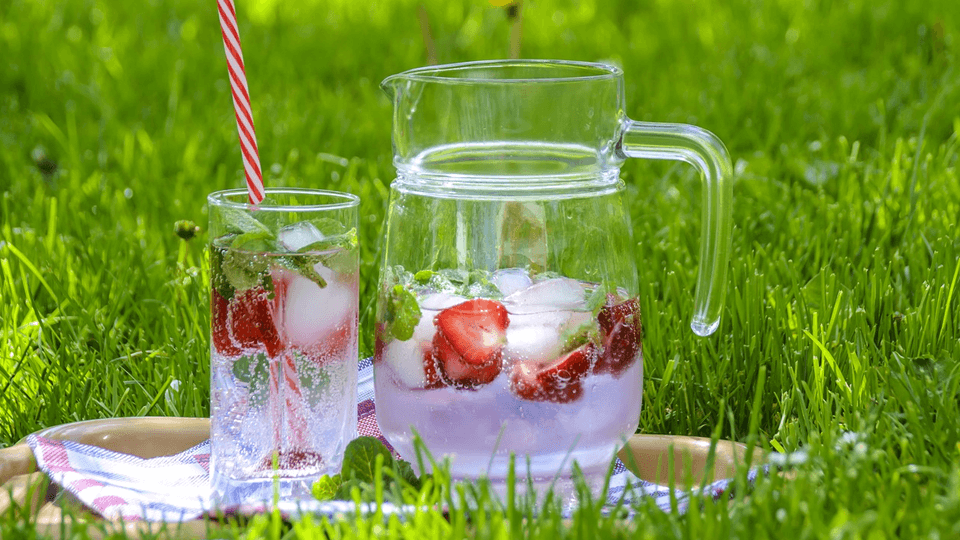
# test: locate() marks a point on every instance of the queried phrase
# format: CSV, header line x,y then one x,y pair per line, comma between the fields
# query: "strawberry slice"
x,y
431,372
291,459
219,330
560,381
469,341
251,322
612,313
378,345
620,324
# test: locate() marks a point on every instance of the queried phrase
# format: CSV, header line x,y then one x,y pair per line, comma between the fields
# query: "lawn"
x,y
840,340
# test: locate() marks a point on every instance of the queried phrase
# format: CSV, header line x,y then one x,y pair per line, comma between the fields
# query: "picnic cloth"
x,y
177,488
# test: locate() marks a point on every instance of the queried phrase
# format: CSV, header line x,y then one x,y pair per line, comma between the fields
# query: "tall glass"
x,y
284,311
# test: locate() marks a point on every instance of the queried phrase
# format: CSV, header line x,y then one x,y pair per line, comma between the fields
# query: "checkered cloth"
x,y
177,488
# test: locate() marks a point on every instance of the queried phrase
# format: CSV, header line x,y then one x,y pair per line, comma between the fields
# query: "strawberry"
x,y
469,341
291,460
251,322
620,324
613,313
430,371
559,381
219,330
378,345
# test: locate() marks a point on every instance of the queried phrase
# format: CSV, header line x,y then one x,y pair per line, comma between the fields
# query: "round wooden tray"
x,y
647,456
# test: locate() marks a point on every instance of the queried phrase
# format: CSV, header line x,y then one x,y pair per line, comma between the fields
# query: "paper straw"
x,y
241,100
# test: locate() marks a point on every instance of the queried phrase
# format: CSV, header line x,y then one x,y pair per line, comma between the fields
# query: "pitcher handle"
x,y
703,150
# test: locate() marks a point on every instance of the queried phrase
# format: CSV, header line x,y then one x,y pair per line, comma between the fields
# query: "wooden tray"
x,y
647,456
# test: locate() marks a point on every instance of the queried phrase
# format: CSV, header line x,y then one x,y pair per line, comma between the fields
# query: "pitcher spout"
x,y
390,84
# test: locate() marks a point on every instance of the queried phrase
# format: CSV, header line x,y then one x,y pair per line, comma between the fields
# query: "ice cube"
x,y
541,336
511,280
299,235
440,301
406,357
311,314
552,294
536,342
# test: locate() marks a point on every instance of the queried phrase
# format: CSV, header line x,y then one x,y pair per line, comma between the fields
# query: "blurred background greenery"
x,y
841,118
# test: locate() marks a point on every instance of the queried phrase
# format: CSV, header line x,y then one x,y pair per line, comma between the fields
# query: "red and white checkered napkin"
x,y
177,488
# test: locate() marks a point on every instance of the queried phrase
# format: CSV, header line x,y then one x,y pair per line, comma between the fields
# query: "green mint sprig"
x,y
402,312
597,298
254,371
239,254
466,283
360,470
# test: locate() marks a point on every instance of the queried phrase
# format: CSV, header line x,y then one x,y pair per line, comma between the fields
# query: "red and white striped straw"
x,y
241,100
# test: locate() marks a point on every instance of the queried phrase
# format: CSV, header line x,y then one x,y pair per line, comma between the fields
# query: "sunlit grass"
x,y
842,119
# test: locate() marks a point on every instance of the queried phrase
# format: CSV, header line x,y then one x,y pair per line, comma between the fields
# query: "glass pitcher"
x,y
508,320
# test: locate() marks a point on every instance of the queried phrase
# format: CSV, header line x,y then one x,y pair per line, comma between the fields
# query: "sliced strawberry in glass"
x,y
620,324
431,373
219,329
612,313
469,340
620,348
560,381
252,324
292,459
453,368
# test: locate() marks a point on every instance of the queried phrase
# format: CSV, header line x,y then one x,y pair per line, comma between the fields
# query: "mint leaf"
x,y
303,265
360,457
423,277
345,491
537,277
405,471
253,369
338,253
359,471
242,262
342,261
326,487
307,377
218,279
469,284
239,222
243,270
481,287
271,219
255,242
456,277
402,312
346,240
597,298
328,226
585,333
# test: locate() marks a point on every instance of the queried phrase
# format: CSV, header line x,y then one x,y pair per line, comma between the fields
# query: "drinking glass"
x,y
284,310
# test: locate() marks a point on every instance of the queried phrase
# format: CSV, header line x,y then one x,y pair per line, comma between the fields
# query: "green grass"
x,y
842,118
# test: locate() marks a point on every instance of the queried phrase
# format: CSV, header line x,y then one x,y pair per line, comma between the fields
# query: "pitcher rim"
x,y
435,73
